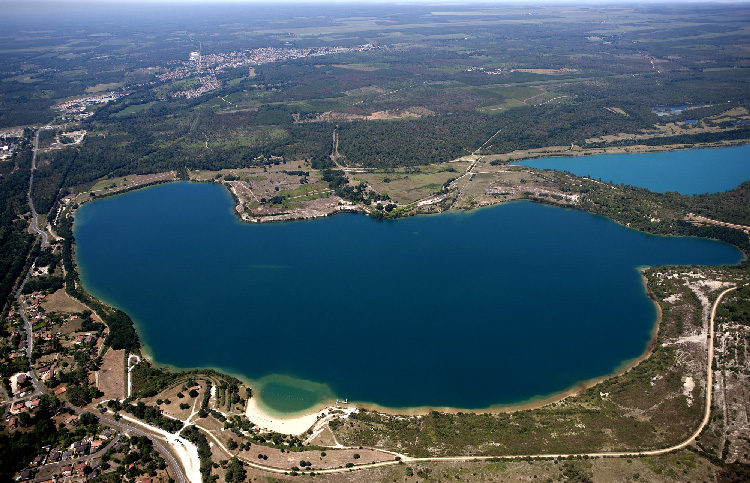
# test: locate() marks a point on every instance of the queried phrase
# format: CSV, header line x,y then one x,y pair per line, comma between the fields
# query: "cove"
x,y
467,310
688,172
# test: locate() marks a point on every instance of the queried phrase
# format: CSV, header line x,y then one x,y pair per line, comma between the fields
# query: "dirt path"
x,y
702,219
399,458
130,368
185,451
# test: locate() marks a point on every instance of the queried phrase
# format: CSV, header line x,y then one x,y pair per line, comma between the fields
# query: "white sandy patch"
x,y
328,415
295,425
287,425
714,284
429,201
692,339
656,378
673,298
687,389
185,451
14,382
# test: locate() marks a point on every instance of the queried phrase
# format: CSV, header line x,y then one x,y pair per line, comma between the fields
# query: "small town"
x,y
205,67
415,242
80,108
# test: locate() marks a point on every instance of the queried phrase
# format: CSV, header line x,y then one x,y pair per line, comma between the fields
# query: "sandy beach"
x,y
282,424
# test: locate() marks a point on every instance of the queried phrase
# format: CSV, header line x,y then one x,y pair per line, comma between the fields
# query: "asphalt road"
x,y
47,471
179,472
39,388
34,216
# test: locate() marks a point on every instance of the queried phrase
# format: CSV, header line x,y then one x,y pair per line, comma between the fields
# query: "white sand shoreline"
x,y
294,425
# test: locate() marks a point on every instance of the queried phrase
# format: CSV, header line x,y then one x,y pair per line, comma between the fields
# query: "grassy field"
x,y
580,78
59,301
407,187
134,109
647,407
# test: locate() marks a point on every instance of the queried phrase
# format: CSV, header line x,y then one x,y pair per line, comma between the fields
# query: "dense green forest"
x,y
554,80
15,241
122,333
111,93
736,308
635,207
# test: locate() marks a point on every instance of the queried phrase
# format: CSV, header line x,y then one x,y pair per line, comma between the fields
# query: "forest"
x,y
111,92
15,241
432,90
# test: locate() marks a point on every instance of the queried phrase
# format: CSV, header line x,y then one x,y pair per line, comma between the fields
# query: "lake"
x,y
468,310
689,172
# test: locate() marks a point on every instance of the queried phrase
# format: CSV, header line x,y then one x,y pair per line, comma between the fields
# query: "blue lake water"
x,y
688,172
467,310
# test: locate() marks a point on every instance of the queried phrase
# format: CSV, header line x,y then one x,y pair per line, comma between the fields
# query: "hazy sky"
x,y
398,2
21,4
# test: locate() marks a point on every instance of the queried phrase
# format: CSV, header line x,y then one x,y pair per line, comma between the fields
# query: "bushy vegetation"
x,y
660,213
736,307
15,241
44,283
122,334
606,82
235,471
149,381
18,448
152,415
192,434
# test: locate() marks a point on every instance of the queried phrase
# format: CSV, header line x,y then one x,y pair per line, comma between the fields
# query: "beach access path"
x,y
400,458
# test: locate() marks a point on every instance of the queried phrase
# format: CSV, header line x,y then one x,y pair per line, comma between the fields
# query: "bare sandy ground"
x,y
183,449
62,302
287,425
110,378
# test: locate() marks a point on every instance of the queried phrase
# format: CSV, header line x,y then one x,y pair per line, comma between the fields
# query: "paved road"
x,y
612,454
34,216
180,476
47,471
173,463
38,387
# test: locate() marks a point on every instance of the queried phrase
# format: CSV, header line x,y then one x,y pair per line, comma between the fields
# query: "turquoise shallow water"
x,y
468,310
688,172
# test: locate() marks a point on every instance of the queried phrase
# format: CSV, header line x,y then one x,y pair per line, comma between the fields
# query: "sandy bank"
x,y
299,424
283,424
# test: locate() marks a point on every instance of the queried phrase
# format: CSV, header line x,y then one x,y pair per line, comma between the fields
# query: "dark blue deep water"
x,y
467,310
689,172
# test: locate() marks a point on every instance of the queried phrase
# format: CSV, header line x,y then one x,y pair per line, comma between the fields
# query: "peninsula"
x,y
216,120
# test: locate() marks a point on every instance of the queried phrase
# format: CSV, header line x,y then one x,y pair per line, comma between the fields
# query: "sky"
x,y
25,5
396,2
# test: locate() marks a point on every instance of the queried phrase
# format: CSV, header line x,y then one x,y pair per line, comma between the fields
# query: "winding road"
x,y
173,463
34,216
399,458
39,387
